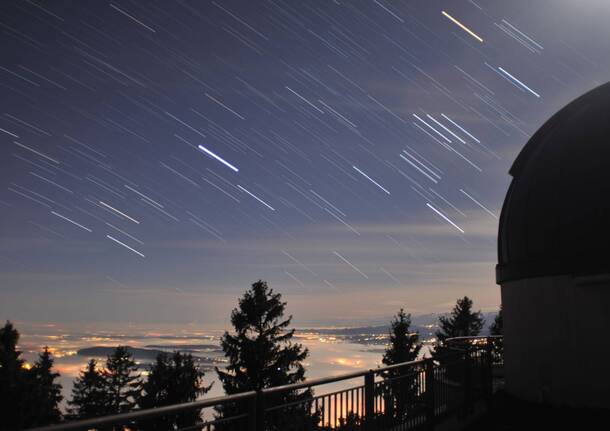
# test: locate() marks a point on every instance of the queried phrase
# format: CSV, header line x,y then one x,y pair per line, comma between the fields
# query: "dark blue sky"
x,y
356,152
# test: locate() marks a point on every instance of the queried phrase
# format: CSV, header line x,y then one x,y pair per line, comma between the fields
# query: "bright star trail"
x,y
350,264
71,221
463,27
124,245
119,212
36,152
479,204
419,169
220,159
370,179
256,197
518,82
350,153
444,217
460,127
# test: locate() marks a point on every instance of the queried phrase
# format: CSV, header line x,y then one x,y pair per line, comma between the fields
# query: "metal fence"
x,y
408,396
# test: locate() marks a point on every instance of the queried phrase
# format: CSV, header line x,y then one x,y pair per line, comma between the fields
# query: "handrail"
x,y
473,337
176,408
314,382
333,379
144,413
251,396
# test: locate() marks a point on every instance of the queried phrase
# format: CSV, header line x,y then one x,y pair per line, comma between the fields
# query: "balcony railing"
x,y
411,395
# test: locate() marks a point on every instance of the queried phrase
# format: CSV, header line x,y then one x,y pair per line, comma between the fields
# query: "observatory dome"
x,y
556,216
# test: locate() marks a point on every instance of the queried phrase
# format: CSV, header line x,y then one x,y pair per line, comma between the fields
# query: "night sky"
x,y
156,157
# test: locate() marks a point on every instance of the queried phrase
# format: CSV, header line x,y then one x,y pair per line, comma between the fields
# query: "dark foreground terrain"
x,y
508,413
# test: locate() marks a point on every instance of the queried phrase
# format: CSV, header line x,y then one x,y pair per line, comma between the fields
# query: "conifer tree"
x,y
404,345
12,379
89,394
172,379
29,395
401,389
461,322
261,354
122,381
497,328
44,392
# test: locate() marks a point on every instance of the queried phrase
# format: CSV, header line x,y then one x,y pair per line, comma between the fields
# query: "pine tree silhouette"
x,y
461,322
497,328
90,397
122,381
44,393
12,380
400,394
261,355
172,379
29,395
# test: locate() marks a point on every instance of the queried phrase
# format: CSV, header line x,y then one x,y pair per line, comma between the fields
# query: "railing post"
x,y
252,406
489,369
467,383
429,394
369,401
256,412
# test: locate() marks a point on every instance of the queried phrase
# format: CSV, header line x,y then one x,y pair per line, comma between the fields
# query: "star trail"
x,y
346,151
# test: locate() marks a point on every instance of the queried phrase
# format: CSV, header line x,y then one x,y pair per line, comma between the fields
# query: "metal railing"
x,y
411,395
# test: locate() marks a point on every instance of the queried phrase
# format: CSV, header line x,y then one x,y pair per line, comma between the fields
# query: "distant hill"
x,y
418,320
360,330
103,351
349,331
140,353
186,347
425,325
